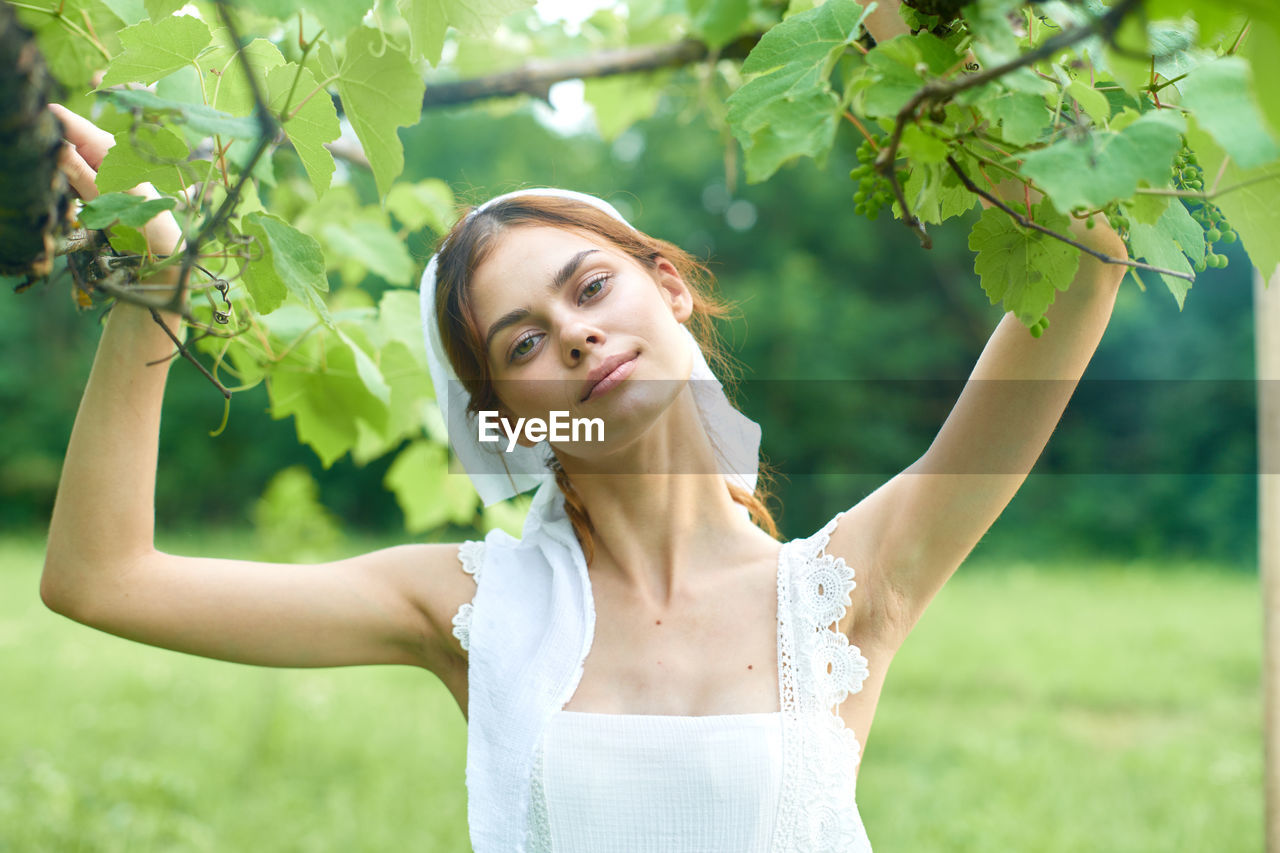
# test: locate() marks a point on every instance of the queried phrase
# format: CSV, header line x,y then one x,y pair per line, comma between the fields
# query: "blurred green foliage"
x,y
290,523
841,320
1125,717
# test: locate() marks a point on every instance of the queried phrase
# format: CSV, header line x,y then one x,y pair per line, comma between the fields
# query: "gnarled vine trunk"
x,y
34,196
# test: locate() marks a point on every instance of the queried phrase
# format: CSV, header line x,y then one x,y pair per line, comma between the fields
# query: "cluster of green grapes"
x,y
1117,220
873,188
1188,175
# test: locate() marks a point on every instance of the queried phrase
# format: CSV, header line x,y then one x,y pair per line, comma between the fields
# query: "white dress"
x,y
738,783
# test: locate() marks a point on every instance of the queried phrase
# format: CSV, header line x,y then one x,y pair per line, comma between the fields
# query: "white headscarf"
x,y
532,621
498,474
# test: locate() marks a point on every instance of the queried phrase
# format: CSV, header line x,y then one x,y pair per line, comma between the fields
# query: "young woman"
x,y
647,667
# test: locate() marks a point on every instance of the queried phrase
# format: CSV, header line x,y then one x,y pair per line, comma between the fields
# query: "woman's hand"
x,y
885,21
81,157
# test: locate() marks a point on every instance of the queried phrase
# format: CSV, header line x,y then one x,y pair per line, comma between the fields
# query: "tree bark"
x,y
1267,337
537,75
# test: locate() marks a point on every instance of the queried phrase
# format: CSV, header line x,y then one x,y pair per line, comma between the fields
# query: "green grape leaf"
x,y
199,119
406,375
1106,165
921,147
410,382
1262,48
309,125
158,9
934,192
321,387
621,101
1211,15
155,50
338,17
373,246
128,11
1022,116
1147,208
428,22
380,91
126,209
1123,57
71,57
127,240
1158,245
224,76
1173,46
399,316
325,57
1251,208
1021,267
1220,95
1093,102
427,203
429,19
428,494
1176,224
151,154
291,262
994,40
717,22
892,76
367,370
788,109
237,159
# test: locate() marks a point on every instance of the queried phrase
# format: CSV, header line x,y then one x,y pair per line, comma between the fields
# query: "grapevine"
x,y
36,198
946,10
1187,175
873,191
959,102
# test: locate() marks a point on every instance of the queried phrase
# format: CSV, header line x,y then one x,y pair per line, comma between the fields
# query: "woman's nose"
x,y
579,338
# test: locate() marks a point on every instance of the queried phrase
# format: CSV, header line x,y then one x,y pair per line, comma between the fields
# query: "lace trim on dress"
x,y
538,834
818,793
825,584
471,555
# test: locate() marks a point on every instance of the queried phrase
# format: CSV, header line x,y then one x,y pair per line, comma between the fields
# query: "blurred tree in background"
x,y
854,341
851,309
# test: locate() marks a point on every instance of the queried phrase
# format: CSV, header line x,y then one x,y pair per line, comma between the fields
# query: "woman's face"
x,y
557,307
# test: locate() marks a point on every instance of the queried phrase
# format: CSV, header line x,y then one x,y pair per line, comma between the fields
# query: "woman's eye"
x,y
593,287
521,350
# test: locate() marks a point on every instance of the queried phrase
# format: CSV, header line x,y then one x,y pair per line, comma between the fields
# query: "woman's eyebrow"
x,y
558,281
566,272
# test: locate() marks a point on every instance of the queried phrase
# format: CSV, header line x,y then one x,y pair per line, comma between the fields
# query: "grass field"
x,y
1035,708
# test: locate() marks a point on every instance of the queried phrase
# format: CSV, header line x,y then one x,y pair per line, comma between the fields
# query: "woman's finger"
x,y
90,141
80,174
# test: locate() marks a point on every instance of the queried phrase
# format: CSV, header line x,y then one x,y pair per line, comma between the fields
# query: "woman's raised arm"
x,y
927,519
885,21
102,567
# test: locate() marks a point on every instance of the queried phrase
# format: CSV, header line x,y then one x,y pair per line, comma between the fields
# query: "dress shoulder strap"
x,y
471,555
817,810
821,593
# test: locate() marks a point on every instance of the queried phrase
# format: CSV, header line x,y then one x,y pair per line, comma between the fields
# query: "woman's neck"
x,y
655,527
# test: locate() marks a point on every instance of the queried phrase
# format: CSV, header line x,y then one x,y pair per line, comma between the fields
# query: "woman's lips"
x,y
615,378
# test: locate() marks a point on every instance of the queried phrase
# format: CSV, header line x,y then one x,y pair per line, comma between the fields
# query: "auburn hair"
x,y
473,239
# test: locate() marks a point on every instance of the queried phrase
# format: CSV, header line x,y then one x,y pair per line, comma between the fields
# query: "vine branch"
x,y
1028,223
114,282
536,76
935,92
